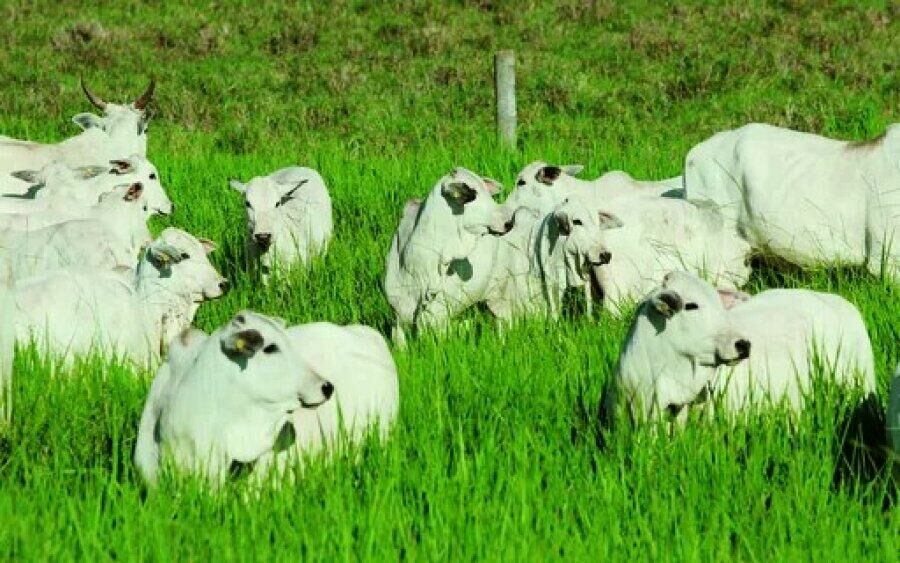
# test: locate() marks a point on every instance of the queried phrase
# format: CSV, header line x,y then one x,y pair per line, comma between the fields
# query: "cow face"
x,y
692,318
139,169
469,198
540,186
180,261
580,232
124,124
268,203
271,371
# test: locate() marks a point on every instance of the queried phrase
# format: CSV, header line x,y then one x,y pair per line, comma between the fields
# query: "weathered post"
x,y
505,89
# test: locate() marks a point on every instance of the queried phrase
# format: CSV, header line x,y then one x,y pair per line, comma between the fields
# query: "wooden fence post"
x,y
505,90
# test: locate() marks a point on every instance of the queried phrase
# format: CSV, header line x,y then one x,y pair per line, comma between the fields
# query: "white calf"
x,y
224,398
805,198
688,341
133,314
288,216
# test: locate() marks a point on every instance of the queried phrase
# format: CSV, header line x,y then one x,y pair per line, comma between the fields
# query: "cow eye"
x,y
185,256
691,306
577,222
271,349
520,183
152,176
285,198
247,204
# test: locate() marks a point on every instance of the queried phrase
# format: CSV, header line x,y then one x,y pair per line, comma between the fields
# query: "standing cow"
x,y
805,198
441,256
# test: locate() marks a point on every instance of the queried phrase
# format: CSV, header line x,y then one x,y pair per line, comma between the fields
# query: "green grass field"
x,y
494,455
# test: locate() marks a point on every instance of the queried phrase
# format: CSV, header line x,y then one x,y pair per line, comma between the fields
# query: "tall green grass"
x,y
495,452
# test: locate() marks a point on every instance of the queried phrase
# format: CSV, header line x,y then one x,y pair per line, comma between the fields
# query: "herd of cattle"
x,y
81,272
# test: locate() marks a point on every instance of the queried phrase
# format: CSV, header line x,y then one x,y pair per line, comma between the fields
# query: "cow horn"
x,y
144,98
93,98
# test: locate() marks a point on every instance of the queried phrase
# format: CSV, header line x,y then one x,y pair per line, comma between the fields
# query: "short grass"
x,y
494,455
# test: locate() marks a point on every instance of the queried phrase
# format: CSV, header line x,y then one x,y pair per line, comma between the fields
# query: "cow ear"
x,y
121,166
548,174
609,221
732,297
244,343
134,192
30,176
237,185
493,186
87,121
163,254
572,169
208,245
88,172
563,222
458,193
667,302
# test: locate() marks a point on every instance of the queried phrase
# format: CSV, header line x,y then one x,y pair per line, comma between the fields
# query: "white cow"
x,y
542,186
805,198
441,256
688,341
224,398
288,217
543,255
58,186
131,313
112,240
121,131
662,234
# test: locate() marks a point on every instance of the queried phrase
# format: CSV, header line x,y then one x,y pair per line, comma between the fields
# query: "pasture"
x,y
494,455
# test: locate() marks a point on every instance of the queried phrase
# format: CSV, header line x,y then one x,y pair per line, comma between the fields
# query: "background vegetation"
x,y
494,455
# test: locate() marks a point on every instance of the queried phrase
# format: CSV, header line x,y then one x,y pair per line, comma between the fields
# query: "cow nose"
x,y
171,209
742,347
263,240
604,257
223,285
327,389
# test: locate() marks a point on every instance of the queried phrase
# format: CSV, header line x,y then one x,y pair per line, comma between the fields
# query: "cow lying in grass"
x,y
288,217
131,313
256,357
805,198
690,343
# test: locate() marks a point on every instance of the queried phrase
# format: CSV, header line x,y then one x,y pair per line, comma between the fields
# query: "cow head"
x,y
138,168
579,233
125,124
692,318
543,186
271,370
469,197
179,261
268,202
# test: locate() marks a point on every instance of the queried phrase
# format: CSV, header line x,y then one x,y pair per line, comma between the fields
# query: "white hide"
x,y
543,255
224,398
805,198
289,217
441,256
132,313
689,341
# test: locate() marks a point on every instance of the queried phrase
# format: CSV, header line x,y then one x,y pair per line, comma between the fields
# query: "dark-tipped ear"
x,y
208,245
88,121
548,174
563,223
458,193
572,169
242,343
121,166
134,191
30,176
493,186
667,302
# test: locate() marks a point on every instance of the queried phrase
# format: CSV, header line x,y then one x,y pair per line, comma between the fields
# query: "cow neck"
x,y
163,305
